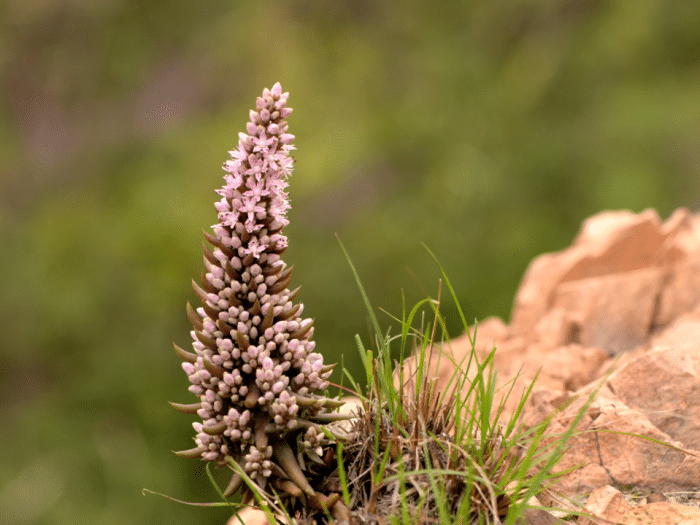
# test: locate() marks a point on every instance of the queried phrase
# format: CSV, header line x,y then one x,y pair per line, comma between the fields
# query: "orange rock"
x,y
608,243
610,454
613,312
625,294
249,516
607,503
681,290
664,382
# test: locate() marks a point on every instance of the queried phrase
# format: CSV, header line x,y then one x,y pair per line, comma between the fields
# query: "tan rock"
x,y
490,332
611,452
613,312
681,290
558,327
618,241
537,287
558,370
249,516
682,259
664,513
608,243
608,503
664,382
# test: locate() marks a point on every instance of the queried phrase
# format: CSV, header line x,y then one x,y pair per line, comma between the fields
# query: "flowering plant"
x,y
412,454
254,368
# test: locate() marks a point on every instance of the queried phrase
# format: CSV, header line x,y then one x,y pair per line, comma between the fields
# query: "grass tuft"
x,y
417,455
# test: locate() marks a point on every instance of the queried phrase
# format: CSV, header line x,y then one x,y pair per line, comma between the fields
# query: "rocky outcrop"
x,y
619,310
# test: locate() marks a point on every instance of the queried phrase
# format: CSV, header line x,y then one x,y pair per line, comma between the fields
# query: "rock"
x,y
608,243
609,455
539,517
681,291
625,296
560,369
249,516
613,312
607,503
616,243
664,382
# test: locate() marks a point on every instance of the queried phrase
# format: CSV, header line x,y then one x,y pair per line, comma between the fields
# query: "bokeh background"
x,y
487,129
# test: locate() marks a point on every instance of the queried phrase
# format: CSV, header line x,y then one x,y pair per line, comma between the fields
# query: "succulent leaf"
x,y
214,430
184,354
286,459
234,485
191,453
186,409
194,318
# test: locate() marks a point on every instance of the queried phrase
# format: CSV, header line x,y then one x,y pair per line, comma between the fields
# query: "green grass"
x,y
442,456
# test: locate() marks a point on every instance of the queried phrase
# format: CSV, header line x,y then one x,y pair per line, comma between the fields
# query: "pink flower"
x,y
228,218
254,247
251,207
257,166
257,189
262,143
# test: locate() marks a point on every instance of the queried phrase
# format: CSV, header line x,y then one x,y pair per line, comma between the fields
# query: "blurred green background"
x,y
486,129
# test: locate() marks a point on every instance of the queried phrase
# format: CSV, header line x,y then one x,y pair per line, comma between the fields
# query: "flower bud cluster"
x,y
254,368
